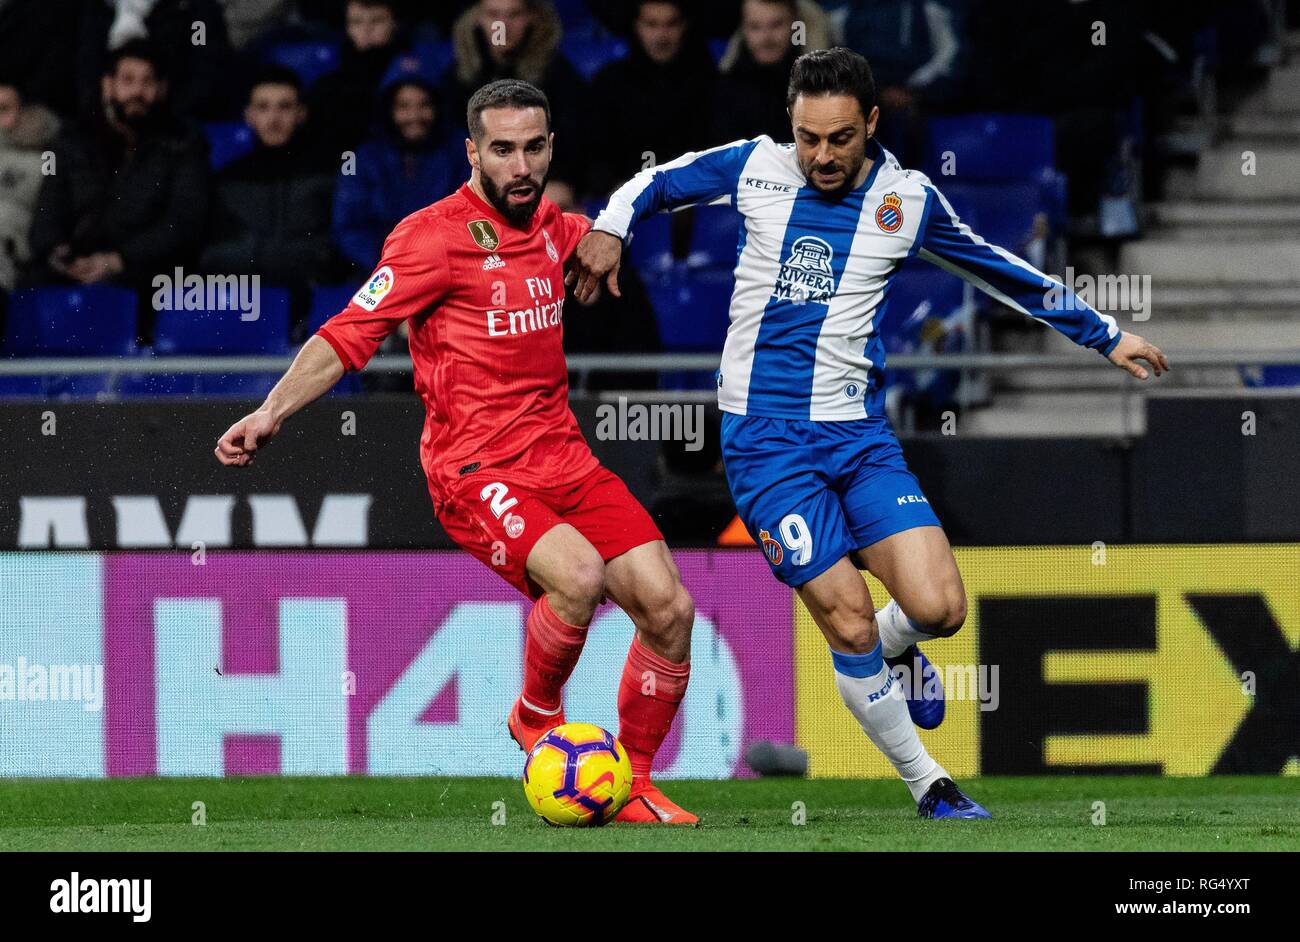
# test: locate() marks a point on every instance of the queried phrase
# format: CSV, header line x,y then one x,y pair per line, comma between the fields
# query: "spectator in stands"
x,y
130,193
716,18
913,47
197,63
750,95
498,39
915,53
271,212
656,100
1040,56
344,101
249,20
412,162
26,131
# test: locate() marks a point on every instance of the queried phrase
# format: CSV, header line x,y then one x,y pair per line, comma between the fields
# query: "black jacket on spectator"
x,y
148,203
750,100
342,104
643,106
539,61
271,217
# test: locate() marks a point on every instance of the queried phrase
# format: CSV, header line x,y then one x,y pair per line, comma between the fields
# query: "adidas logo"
x,y
493,262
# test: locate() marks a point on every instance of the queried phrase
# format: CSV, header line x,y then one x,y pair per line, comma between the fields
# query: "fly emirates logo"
x,y
546,310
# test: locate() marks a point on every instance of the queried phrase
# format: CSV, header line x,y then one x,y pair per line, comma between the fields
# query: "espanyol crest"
x,y
771,548
889,214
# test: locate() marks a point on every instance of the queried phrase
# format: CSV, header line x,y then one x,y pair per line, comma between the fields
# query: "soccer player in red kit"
x,y
479,279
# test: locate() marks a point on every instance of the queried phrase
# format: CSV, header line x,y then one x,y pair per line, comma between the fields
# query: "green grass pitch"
x,y
358,813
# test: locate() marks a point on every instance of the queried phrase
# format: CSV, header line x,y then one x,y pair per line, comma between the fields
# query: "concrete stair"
x,y
1223,255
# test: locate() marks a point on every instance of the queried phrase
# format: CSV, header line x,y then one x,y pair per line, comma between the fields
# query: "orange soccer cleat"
x,y
648,805
527,726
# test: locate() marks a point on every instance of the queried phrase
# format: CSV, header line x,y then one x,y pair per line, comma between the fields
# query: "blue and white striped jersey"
x,y
813,273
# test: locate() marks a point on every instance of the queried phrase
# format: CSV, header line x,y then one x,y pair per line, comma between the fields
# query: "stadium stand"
x,y
1216,242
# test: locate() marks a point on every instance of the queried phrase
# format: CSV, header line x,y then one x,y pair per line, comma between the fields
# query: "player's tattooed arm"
x,y
1132,348
314,371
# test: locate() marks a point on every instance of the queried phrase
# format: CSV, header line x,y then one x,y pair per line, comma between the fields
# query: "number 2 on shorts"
x,y
499,505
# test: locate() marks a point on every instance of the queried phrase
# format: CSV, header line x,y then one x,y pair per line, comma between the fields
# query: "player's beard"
x,y
852,169
521,214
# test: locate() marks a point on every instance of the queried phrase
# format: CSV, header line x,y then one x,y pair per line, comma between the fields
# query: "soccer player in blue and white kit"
x,y
816,472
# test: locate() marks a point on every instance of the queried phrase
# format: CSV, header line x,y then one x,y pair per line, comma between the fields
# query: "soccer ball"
x,y
577,776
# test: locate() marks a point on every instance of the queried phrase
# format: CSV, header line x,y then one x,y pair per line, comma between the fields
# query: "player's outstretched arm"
x,y
313,372
693,178
1132,348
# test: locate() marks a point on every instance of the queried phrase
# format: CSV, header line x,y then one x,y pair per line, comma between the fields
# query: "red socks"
x,y
649,693
551,649
648,697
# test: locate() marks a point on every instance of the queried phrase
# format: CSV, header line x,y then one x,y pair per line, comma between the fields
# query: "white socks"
x,y
896,631
876,699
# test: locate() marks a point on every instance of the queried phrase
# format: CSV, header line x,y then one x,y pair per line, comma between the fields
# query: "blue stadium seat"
x,y
136,385
309,58
651,250
1265,377
240,385
81,386
227,142
576,18
326,301
715,237
692,308
1006,214
718,49
590,54
992,147
90,320
427,60
222,330
925,311
22,387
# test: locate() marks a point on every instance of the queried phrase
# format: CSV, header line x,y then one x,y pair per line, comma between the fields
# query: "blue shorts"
x,y
810,492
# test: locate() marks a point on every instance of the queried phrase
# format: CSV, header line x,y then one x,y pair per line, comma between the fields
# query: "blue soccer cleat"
x,y
927,713
945,800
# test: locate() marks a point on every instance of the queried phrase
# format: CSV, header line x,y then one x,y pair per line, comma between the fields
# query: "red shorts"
x,y
499,523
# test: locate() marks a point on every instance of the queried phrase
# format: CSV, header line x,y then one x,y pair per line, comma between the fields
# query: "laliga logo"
x,y
771,548
381,282
889,214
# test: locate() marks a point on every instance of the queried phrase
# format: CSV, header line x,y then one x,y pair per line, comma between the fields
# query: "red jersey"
x,y
485,304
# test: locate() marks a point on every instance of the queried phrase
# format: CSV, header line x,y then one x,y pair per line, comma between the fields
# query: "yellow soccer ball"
x,y
577,775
